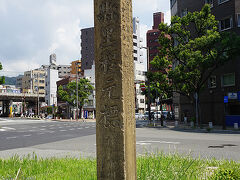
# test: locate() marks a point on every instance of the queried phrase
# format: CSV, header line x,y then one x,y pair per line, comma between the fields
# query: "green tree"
x,y
2,79
69,94
192,49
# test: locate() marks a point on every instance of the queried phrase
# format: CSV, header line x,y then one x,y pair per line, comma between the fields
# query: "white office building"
x,y
139,66
89,108
51,87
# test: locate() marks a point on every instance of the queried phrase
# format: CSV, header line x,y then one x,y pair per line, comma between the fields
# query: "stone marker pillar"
x,y
116,138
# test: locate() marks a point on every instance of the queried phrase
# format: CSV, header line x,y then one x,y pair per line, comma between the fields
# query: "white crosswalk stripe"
x,y
7,129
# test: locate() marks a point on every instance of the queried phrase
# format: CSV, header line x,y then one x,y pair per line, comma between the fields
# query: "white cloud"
x,y
32,30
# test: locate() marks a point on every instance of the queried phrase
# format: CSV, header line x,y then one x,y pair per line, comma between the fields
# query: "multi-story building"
x,y
63,107
89,108
63,70
34,81
225,82
152,37
87,47
139,67
51,87
76,67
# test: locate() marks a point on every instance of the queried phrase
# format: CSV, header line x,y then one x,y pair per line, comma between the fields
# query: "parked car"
x,y
157,115
165,113
50,116
145,115
138,116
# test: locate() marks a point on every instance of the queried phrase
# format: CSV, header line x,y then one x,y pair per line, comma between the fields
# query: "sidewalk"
x,y
188,128
73,120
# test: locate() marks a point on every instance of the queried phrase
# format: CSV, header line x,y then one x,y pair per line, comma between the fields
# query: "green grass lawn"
x,y
149,167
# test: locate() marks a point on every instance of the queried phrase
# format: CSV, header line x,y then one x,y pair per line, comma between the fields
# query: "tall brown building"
x,y
152,36
87,47
220,101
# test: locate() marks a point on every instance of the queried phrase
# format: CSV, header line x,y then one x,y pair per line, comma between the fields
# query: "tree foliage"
x,y
192,49
69,94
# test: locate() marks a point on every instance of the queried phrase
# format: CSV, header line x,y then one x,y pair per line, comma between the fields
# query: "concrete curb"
x,y
198,130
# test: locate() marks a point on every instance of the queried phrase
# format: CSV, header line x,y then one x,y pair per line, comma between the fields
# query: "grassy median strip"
x,y
154,167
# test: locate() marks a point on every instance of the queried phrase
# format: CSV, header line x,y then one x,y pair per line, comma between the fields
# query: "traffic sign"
x,y
232,95
225,99
143,88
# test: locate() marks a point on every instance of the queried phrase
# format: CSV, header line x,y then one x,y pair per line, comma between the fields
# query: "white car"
x,y
138,116
157,115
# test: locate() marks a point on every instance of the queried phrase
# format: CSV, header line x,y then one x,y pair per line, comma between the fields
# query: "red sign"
x,y
143,88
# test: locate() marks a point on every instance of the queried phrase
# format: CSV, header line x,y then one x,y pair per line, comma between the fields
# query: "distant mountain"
x,y
10,80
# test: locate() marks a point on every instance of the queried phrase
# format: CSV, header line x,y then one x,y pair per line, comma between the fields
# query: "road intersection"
x,y
78,139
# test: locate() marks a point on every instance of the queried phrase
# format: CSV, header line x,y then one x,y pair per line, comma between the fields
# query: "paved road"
x,y
74,139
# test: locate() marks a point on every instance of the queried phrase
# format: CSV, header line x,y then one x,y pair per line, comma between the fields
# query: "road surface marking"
x,y
63,130
41,133
72,129
3,130
51,131
8,128
60,127
161,142
86,127
42,129
142,143
80,128
27,135
11,137
43,126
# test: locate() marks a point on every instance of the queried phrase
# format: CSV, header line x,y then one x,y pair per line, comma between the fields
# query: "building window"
x,y
135,58
212,82
141,100
209,2
134,37
228,79
238,20
134,44
225,24
135,51
222,1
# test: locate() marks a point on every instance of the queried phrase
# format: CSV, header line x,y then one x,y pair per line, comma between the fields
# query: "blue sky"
x,y
31,30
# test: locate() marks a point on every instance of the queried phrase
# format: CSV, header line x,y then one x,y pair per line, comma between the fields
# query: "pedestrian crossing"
x,y
52,128
2,129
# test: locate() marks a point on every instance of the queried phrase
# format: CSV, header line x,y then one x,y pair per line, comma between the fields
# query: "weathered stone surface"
x,y
116,139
